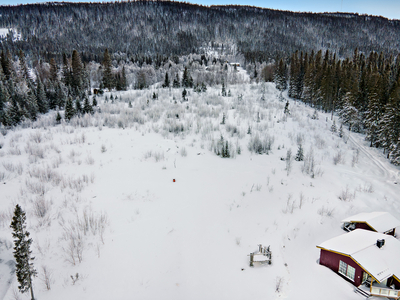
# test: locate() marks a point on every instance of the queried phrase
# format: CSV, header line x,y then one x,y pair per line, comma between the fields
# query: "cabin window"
x,y
365,277
347,270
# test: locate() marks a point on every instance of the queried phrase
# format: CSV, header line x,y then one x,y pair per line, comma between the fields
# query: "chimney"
x,y
380,243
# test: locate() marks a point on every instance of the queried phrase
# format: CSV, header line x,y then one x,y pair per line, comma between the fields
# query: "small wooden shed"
x,y
382,222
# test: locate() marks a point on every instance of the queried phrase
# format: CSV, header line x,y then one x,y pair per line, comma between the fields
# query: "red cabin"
x,y
382,222
367,259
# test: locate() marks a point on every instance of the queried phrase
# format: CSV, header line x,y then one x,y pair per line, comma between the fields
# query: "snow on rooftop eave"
x,y
378,221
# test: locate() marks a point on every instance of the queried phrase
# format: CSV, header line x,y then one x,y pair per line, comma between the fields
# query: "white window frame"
x,y
347,270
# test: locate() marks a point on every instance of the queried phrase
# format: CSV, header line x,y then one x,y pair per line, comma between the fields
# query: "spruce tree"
x,y
66,72
24,72
41,97
87,108
176,83
60,95
107,74
77,73
24,268
187,80
78,106
280,77
32,106
123,83
166,81
299,154
69,109
58,118
94,101
53,70
373,113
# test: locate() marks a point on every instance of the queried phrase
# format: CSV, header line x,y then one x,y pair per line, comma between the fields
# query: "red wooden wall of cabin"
x,y
391,281
331,260
392,232
364,226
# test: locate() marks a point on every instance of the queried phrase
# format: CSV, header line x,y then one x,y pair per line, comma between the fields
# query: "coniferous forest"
x,y
56,54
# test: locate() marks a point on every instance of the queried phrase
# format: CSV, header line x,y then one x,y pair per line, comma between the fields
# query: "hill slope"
x,y
164,28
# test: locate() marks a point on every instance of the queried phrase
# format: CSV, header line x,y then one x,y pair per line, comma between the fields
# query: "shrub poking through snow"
x,y
333,127
260,146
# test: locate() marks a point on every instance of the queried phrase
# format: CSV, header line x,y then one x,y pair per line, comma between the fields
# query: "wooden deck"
x,y
377,291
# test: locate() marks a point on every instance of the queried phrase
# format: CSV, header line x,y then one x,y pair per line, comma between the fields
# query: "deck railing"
x,y
378,291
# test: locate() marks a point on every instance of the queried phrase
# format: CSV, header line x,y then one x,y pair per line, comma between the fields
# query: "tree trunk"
x,y
30,283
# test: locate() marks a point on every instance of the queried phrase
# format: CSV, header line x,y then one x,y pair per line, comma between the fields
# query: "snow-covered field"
x,y
133,203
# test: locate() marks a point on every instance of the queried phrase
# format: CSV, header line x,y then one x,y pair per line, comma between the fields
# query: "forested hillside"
x,y
56,54
155,28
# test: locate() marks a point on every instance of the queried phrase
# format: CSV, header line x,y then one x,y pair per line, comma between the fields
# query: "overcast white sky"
x,y
387,8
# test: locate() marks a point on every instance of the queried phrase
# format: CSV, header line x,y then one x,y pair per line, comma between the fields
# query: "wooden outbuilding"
x,y
382,222
369,260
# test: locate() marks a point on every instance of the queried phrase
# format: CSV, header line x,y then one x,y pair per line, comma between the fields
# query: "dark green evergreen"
x,y
24,268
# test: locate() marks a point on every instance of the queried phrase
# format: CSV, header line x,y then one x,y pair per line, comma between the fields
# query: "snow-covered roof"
x,y
360,245
380,221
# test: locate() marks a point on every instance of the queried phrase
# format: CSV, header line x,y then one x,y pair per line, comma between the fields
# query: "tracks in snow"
x,y
386,173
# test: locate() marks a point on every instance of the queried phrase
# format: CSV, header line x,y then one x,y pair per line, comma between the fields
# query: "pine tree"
x,y
122,80
78,106
94,101
107,73
350,115
66,72
24,72
24,268
53,70
176,83
187,81
58,118
60,95
77,73
184,93
32,106
69,109
14,113
87,108
280,77
299,154
373,113
166,80
41,98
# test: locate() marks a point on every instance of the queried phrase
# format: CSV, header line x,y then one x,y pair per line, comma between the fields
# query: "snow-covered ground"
x,y
132,203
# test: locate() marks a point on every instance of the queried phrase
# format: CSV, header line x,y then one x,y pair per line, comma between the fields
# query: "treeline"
x,y
27,92
150,31
364,90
